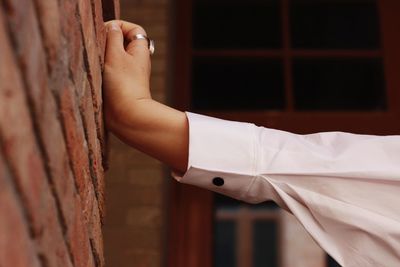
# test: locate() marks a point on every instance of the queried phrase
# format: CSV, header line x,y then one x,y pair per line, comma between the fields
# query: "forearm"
x,y
155,129
130,112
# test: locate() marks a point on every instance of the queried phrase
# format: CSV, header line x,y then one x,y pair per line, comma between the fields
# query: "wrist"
x,y
127,115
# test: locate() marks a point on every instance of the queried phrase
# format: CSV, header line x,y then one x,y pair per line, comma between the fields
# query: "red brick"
x,y
94,68
17,133
103,136
77,146
72,39
46,115
79,239
25,30
96,235
94,226
97,9
49,20
94,71
37,197
52,133
16,247
20,149
89,123
56,156
26,162
51,243
45,108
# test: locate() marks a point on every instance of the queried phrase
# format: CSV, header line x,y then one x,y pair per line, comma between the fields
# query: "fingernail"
x,y
115,26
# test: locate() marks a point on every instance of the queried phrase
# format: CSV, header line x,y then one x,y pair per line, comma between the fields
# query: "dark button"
x,y
218,181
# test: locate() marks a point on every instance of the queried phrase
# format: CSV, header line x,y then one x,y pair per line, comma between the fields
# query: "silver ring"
x,y
150,42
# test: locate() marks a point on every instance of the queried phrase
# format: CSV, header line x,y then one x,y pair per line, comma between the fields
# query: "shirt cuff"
x,y
222,155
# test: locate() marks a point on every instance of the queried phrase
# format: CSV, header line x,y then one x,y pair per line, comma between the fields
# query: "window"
x,y
274,55
245,235
297,65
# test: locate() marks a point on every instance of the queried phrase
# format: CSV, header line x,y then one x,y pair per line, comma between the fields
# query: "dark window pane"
x,y
265,244
224,244
334,84
224,202
345,24
236,24
332,262
266,205
237,84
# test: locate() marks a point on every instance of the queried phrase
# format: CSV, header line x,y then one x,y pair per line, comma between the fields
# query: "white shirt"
x,y
343,188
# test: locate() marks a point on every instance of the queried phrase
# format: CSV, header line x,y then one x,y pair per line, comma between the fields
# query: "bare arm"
x,y
130,112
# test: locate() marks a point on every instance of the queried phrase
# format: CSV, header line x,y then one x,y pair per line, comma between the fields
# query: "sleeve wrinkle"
x,y
256,160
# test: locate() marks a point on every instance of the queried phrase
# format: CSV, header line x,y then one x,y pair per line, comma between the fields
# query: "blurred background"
x,y
298,65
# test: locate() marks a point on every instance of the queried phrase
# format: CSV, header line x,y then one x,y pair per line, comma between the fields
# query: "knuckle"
x,y
138,29
111,21
134,31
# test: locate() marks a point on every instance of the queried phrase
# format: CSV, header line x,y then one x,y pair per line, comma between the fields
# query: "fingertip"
x,y
115,39
113,26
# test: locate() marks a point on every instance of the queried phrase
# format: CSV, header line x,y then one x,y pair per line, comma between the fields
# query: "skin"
x,y
130,112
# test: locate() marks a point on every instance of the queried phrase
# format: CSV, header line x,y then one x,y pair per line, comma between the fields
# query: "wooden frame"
x,y
244,217
191,216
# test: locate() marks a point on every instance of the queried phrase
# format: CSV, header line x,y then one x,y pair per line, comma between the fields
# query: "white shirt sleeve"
x,y
343,188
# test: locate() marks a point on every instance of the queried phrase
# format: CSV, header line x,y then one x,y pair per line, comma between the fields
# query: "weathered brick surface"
x,y
49,21
20,148
51,133
16,247
97,10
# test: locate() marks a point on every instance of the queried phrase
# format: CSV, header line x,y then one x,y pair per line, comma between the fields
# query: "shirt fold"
x,y
343,188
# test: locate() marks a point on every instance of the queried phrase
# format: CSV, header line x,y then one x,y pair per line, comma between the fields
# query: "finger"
x,y
126,27
134,45
115,39
129,30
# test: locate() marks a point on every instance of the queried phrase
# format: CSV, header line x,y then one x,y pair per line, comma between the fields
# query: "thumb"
x,y
115,39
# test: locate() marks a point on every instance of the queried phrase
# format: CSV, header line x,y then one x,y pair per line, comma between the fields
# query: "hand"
x,y
130,112
127,69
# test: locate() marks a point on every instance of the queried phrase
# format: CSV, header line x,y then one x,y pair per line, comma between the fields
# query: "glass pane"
x,y
224,244
236,24
237,84
267,205
332,262
265,247
224,202
334,24
334,84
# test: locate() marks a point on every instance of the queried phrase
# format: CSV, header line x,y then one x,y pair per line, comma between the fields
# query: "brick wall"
x,y
51,132
135,226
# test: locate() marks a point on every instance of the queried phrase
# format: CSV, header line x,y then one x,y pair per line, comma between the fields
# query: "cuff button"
x,y
218,181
